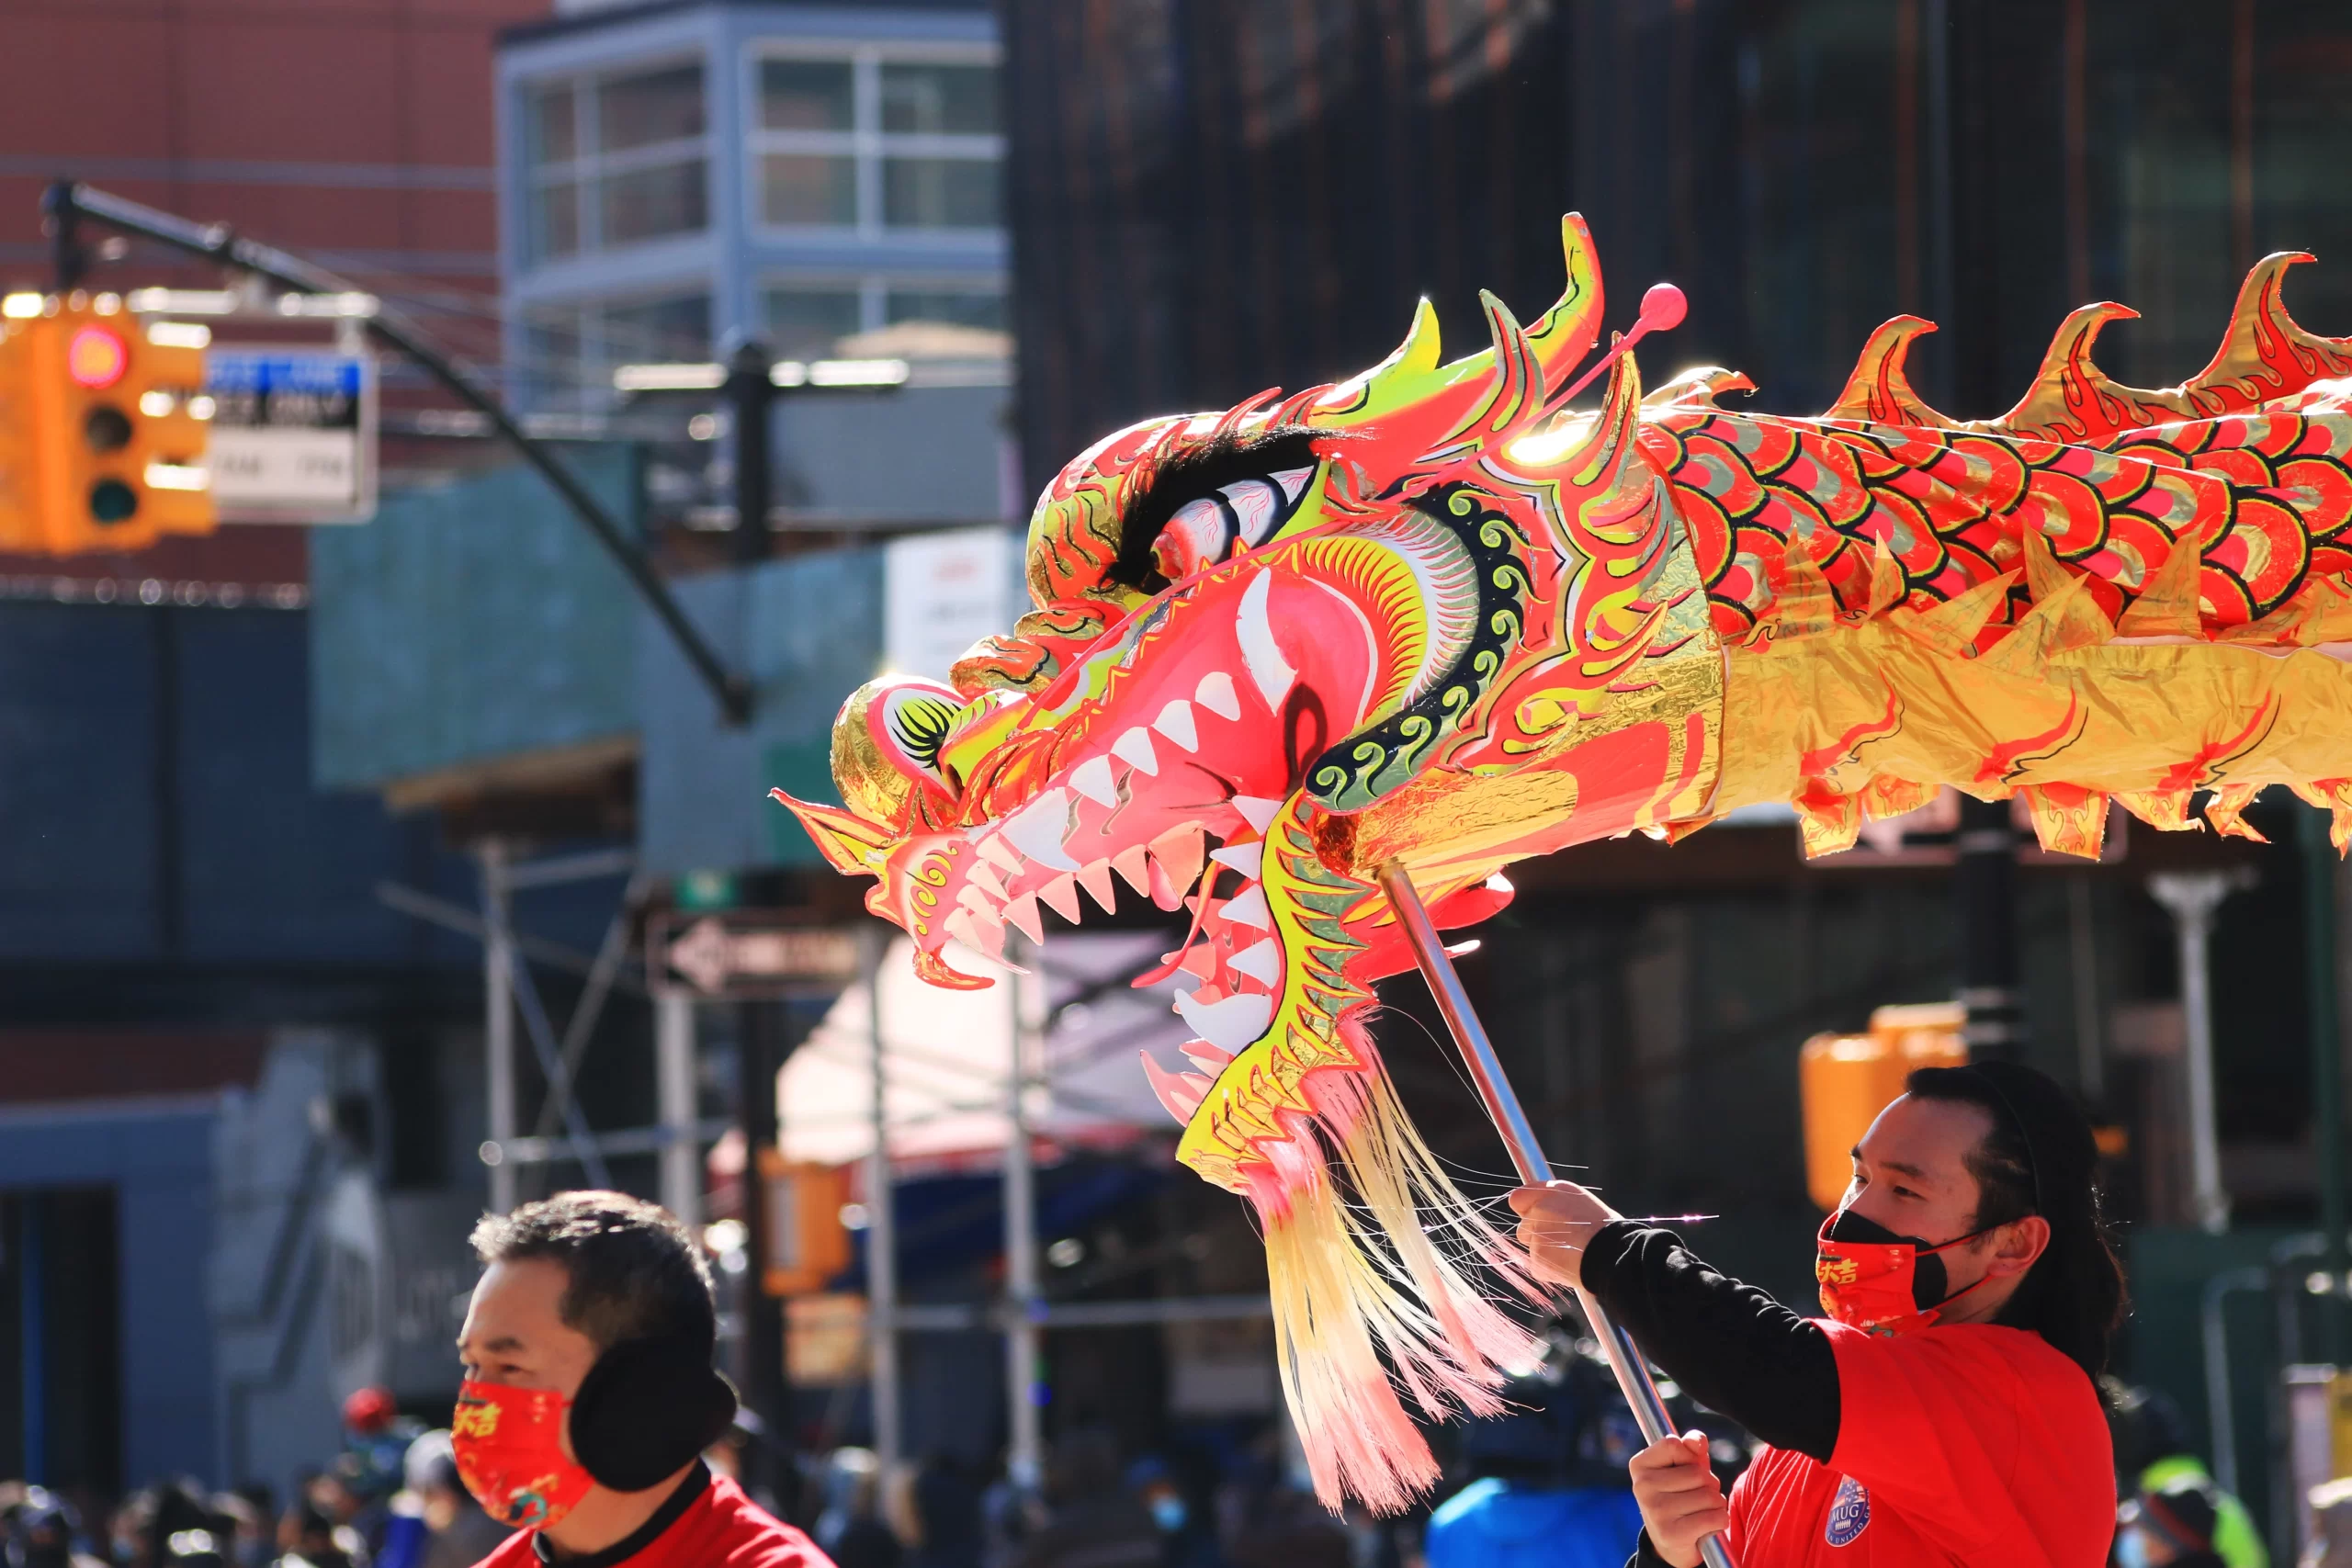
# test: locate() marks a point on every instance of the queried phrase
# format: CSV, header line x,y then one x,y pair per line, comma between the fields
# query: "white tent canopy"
x,y
947,1057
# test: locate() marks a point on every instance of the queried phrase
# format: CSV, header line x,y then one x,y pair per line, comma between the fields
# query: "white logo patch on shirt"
x,y
1849,1513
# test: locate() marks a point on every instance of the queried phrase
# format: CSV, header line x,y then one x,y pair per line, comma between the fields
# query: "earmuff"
x,y
647,1408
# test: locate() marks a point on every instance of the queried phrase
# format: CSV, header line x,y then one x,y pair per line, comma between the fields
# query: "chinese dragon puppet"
x,y
1429,614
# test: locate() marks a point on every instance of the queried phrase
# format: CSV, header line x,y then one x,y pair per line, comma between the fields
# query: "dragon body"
x,y
1426,614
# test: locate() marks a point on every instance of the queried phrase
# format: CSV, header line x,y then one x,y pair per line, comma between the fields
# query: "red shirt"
x,y
1971,1444
722,1528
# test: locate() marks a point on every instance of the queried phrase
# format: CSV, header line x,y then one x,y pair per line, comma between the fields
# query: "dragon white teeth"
x,y
1096,880
1205,1056
1216,693
984,876
1135,749
1022,912
1261,961
1247,858
1178,851
1134,866
996,852
1181,1093
1257,810
972,898
1037,831
1092,779
1263,656
1231,1024
1175,721
1061,897
983,937
1248,907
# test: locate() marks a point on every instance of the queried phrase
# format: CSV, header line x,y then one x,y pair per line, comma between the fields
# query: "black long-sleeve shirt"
x,y
1731,1345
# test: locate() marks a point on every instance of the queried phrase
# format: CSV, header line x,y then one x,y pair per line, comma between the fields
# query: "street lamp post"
x,y
2190,897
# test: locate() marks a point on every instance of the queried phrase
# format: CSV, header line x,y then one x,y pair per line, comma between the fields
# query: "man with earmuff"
x,y
590,1396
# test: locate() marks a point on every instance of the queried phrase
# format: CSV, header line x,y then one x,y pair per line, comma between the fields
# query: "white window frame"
x,y
866,142
589,165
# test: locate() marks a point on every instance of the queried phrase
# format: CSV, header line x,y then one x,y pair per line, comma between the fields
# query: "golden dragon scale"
x,y
1427,613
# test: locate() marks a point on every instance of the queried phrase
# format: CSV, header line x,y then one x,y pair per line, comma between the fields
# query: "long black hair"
x,y
2041,1158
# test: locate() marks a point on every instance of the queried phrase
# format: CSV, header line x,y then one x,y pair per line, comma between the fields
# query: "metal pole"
x,y
32,1311
2091,1053
881,1233
67,201
674,1072
1025,1461
2190,897
1984,889
761,1365
498,988
2213,1327
2319,871
750,396
1526,1153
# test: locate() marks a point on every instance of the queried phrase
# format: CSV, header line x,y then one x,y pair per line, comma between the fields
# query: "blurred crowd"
x,y
1541,1486
389,1499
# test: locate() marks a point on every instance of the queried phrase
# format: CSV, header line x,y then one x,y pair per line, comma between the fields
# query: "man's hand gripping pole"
x,y
1510,1119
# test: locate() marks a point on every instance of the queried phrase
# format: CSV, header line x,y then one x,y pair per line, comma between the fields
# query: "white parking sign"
x,y
293,434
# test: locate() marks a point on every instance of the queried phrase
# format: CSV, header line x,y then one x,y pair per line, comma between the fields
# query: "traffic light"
x,y
1845,1080
103,421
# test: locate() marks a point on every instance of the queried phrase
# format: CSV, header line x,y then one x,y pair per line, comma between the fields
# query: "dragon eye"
x,y
1234,518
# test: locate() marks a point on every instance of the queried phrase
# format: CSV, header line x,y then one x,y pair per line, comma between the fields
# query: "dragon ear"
x,y
847,841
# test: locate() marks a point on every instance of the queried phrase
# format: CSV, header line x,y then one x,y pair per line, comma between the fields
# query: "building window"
x,y
959,307
806,317
616,160
869,142
570,348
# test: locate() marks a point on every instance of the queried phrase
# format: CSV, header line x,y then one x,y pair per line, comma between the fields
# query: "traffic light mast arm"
x,y
69,201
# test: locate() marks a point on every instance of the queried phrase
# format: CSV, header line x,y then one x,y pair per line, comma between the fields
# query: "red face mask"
x,y
1872,1278
509,1444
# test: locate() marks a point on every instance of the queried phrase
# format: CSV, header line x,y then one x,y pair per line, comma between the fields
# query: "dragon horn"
x,y
2265,353
1412,377
1515,390
1877,392
1597,466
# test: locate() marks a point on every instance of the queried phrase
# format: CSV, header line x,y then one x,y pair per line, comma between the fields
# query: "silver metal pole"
x,y
2191,897
2214,1328
1526,1153
673,1073
498,986
881,1235
1027,1460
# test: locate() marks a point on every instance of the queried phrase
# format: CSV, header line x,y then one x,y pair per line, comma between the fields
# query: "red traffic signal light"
x,y
95,357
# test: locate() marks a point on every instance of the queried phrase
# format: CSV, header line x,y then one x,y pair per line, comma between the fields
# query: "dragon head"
x,y
1422,614
1415,613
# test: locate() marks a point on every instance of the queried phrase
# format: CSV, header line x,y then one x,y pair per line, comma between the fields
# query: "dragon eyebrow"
x,y
1198,471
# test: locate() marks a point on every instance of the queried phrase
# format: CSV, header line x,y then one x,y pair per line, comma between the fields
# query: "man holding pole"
x,y
1944,1410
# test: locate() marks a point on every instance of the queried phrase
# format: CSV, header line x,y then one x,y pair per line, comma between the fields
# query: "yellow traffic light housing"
x,y
102,427
1845,1080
